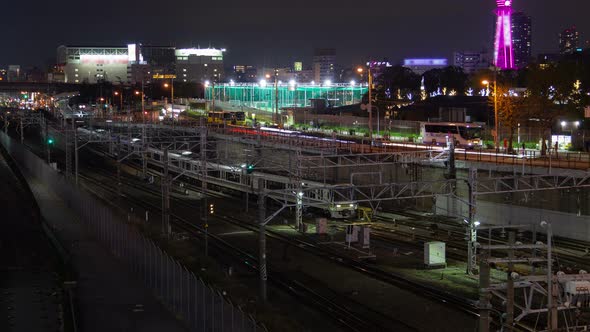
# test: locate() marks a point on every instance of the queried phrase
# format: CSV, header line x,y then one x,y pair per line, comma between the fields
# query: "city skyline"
x,y
262,34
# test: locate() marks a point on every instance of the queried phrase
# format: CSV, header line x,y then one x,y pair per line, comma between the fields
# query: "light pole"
x,y
370,81
496,121
171,85
120,94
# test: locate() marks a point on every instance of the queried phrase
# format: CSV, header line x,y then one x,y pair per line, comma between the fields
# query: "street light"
x,y
496,121
171,85
370,108
120,94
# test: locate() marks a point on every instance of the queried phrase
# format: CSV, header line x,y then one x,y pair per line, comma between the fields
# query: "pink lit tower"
x,y
503,52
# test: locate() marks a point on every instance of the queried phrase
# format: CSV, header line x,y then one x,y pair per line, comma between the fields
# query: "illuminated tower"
x,y
503,52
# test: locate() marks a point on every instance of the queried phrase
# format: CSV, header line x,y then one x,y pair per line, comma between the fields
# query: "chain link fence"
x,y
201,307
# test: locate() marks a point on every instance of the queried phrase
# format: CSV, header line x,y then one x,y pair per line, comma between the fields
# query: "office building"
x,y
14,73
245,73
521,39
472,62
420,66
138,63
324,60
568,41
87,64
199,64
503,50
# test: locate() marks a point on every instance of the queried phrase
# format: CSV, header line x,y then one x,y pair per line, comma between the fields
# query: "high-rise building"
x,y
503,50
199,64
472,61
323,64
521,39
568,41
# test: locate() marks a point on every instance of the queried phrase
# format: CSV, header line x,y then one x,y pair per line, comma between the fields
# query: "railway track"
x,y
334,256
349,319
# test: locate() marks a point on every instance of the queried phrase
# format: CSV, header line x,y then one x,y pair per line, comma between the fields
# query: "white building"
x,y
199,64
135,63
420,66
82,64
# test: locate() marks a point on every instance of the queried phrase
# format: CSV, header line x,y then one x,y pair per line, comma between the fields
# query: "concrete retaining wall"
x,y
564,224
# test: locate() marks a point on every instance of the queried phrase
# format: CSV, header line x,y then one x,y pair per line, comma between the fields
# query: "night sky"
x,y
265,32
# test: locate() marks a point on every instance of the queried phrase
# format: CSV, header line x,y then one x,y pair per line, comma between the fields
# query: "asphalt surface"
x,y
29,287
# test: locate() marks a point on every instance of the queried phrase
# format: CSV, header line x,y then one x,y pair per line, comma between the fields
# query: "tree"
x,y
445,80
398,81
544,98
509,108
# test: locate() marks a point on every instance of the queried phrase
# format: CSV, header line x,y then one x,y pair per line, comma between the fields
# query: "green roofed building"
x,y
263,96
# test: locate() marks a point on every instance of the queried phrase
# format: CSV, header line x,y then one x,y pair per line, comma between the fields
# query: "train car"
x,y
215,118
239,118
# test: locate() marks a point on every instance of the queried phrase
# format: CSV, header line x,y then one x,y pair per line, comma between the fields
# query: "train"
x,y
316,195
237,118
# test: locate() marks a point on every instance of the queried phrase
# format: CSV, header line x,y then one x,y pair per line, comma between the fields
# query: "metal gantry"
x,y
184,152
559,297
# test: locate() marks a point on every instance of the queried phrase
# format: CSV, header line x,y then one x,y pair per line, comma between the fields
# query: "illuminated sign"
x,y
199,52
163,76
298,66
121,59
425,62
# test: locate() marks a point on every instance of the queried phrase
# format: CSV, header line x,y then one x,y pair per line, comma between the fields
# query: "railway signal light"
x,y
50,141
249,169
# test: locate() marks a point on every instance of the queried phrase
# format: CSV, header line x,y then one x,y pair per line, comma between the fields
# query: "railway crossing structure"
x,y
175,152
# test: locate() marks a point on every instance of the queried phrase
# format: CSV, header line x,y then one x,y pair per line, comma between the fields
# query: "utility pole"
x,y
171,95
75,150
472,230
496,120
118,155
68,136
165,196
510,283
262,240
47,141
277,120
22,132
484,295
552,317
370,105
204,200
143,134
213,94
